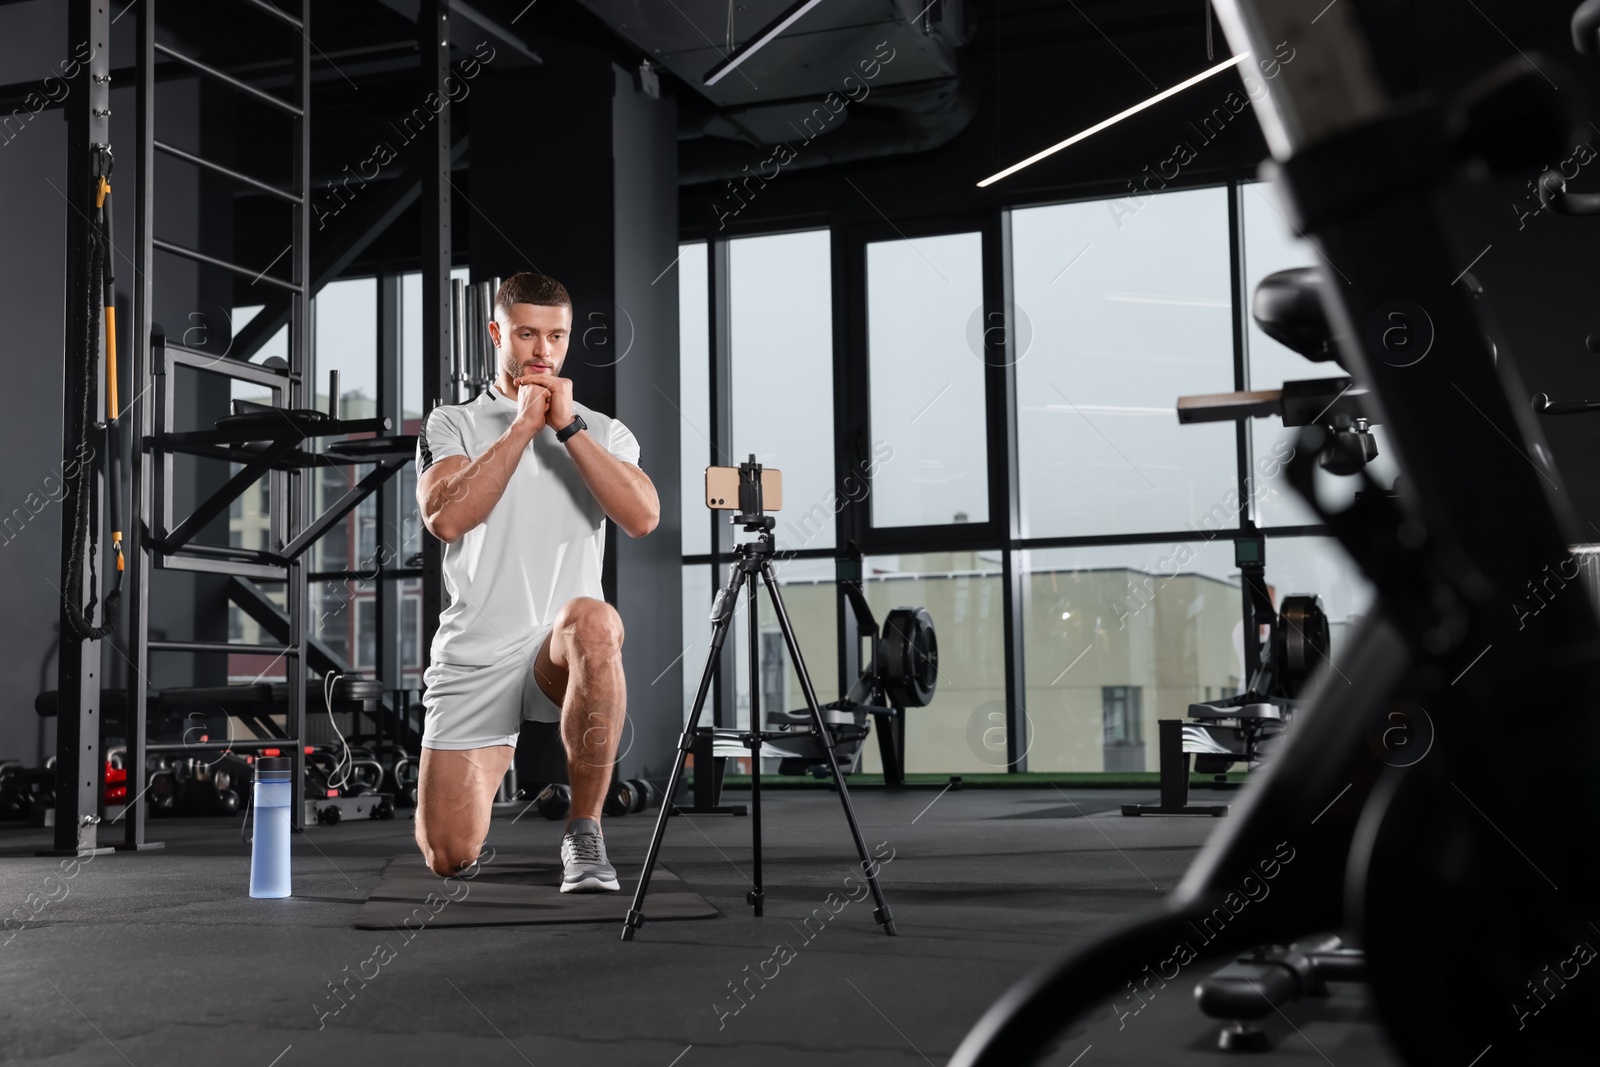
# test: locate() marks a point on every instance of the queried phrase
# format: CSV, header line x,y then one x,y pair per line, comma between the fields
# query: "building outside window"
x,y
1123,727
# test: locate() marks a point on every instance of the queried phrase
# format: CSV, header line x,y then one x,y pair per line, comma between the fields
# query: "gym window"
x,y
1114,317
925,367
1124,604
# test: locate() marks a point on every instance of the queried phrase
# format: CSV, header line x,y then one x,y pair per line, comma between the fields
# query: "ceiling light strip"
x,y
1118,117
773,28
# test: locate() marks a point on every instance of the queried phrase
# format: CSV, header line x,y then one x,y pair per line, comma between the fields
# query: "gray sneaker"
x,y
583,854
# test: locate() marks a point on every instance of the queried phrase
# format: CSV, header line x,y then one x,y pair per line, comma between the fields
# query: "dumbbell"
x,y
626,797
619,798
554,801
227,803
163,792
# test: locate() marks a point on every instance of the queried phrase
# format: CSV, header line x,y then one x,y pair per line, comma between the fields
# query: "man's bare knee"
x,y
593,628
450,857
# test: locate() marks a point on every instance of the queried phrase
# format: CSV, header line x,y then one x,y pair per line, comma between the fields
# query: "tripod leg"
x,y
755,898
721,617
868,867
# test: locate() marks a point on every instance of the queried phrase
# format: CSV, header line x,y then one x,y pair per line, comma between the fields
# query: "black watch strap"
x,y
572,427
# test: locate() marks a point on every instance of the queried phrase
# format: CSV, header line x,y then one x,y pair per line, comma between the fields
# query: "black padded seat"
x,y
273,696
1288,308
346,688
257,694
1237,711
273,419
372,449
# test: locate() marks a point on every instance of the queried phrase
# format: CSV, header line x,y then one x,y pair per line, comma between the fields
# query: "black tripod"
x,y
755,557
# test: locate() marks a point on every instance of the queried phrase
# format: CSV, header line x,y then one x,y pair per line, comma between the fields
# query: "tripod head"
x,y
747,490
752,514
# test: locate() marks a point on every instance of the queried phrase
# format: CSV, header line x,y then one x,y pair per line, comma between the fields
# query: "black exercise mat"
x,y
515,888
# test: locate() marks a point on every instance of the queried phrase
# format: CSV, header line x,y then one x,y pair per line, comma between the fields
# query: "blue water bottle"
x,y
269,846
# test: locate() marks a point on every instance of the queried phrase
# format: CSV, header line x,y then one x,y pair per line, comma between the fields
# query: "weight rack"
x,y
270,448
154,539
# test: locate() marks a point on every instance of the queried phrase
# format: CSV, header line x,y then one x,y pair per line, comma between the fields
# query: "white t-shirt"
x,y
540,546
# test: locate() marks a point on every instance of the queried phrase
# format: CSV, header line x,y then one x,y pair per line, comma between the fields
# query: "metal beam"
x,y
170,541
369,484
472,26
256,604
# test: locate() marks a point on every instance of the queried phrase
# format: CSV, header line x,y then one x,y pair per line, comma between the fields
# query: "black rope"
x,y
77,517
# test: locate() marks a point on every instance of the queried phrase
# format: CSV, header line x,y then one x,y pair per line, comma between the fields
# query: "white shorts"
x,y
479,706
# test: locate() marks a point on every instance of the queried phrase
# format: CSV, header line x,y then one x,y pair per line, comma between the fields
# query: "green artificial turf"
x,y
1026,780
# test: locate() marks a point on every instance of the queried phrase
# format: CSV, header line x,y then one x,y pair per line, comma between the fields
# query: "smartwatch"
x,y
572,427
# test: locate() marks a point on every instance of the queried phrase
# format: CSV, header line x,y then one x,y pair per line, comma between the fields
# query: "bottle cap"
x,y
274,767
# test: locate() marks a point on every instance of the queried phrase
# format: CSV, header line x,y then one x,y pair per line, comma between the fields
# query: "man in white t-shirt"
x,y
518,484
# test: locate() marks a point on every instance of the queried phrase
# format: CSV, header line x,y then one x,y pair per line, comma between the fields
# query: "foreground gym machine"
x,y
1414,859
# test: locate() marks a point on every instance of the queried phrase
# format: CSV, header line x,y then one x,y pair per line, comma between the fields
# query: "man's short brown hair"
x,y
529,288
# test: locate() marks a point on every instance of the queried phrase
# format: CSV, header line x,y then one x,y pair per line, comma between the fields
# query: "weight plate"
x,y
1302,640
908,658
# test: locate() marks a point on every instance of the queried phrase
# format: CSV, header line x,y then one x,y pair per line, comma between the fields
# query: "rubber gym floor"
x,y
163,958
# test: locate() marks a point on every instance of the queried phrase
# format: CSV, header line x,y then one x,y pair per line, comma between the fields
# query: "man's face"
x,y
531,339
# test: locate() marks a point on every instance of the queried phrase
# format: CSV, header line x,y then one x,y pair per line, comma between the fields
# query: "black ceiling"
x,y
1036,71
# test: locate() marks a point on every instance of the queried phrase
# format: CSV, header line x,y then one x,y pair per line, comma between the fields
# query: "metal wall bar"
x,y
141,416
392,506
433,38
237,268
229,80
226,172
294,498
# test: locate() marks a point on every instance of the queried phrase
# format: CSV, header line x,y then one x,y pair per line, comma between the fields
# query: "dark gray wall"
x,y
649,587
32,299
32,293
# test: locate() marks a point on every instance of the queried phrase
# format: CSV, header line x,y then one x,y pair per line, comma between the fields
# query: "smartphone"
x,y
722,488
